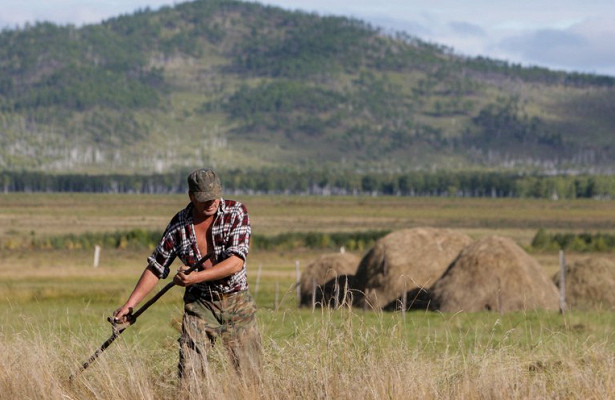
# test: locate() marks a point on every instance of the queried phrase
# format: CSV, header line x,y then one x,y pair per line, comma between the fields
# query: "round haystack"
x,y
404,260
590,284
494,273
326,277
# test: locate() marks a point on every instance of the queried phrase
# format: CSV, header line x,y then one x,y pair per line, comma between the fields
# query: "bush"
x,y
581,242
148,239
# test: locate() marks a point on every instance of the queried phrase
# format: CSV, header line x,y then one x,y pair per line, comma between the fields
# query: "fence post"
x,y
346,300
313,294
562,281
96,256
336,294
258,280
298,274
404,304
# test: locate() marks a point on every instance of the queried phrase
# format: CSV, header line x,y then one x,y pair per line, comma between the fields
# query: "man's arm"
x,y
145,285
223,269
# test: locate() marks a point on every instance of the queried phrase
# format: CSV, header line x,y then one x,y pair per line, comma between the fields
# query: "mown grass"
x,y
54,304
342,354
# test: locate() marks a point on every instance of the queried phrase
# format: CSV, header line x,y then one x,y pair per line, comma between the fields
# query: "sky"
x,y
570,35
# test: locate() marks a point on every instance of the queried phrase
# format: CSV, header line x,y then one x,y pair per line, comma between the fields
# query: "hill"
x,y
240,85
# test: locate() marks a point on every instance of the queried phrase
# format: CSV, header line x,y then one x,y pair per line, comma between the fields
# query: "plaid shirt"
x,y
231,236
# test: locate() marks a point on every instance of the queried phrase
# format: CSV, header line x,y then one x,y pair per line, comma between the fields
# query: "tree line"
x,y
329,182
147,239
351,241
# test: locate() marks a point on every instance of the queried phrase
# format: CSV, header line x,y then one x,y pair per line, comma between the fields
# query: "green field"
x,y
53,305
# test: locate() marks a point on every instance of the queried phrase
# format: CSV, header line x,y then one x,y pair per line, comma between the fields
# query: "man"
x,y
217,305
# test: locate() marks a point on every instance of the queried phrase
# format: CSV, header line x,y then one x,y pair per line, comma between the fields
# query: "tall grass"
x,y
53,304
343,354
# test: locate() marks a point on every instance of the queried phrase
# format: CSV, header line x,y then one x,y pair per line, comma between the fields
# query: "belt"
x,y
209,295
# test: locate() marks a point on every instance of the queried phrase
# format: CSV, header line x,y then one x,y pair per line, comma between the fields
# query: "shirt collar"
x,y
221,206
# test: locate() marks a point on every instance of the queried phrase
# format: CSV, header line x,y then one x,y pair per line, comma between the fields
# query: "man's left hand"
x,y
181,279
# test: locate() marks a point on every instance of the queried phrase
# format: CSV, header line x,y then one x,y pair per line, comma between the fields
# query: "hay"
x,y
590,284
405,260
494,273
328,275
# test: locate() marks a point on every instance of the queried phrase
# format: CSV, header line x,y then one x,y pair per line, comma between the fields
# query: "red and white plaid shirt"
x,y
231,236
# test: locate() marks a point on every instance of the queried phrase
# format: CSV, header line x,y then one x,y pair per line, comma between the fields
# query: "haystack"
x,y
494,273
326,277
404,260
590,284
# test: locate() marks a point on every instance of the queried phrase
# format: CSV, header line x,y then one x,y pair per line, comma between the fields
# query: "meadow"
x,y
54,304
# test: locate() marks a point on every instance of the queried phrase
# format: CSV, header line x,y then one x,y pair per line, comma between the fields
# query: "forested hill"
x,y
240,85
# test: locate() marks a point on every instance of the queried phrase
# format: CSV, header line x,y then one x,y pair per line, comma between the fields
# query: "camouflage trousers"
x,y
230,320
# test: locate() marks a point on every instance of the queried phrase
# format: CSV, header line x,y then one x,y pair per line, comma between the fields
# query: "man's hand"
x,y
123,314
183,279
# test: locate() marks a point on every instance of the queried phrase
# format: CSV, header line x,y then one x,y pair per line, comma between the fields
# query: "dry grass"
x,y
342,354
53,305
336,355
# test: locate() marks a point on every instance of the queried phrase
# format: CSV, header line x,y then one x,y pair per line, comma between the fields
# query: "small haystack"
x,y
405,260
494,273
324,280
590,284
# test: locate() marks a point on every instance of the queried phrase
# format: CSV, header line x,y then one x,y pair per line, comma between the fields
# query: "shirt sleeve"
x,y
164,254
239,238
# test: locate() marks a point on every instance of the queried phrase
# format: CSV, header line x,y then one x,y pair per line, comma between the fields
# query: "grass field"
x,y
53,306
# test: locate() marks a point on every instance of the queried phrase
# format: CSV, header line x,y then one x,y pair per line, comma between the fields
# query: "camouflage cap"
x,y
204,184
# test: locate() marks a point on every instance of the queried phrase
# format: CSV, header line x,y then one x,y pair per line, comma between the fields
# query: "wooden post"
x,y
336,293
298,278
313,294
346,299
258,280
404,302
96,256
562,281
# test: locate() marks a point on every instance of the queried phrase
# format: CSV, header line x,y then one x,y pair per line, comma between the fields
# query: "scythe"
x,y
118,328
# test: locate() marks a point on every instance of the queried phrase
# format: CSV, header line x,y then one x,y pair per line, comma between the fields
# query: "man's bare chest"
x,y
203,235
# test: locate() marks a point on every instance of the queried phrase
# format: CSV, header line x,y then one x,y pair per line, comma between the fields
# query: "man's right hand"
x,y
123,314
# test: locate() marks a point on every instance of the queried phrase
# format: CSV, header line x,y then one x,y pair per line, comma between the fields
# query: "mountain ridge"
x,y
240,85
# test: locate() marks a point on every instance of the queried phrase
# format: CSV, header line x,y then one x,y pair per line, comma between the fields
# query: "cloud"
x,y
19,12
545,44
411,27
466,29
571,49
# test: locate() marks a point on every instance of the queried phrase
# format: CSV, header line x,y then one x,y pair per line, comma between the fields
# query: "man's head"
x,y
204,185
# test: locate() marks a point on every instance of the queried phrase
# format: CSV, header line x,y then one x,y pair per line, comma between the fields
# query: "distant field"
x,y
53,306
26,214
